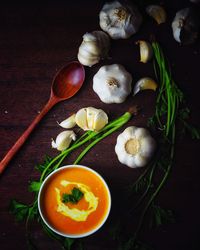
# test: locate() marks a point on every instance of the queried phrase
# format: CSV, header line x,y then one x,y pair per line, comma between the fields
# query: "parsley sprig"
x,y
75,196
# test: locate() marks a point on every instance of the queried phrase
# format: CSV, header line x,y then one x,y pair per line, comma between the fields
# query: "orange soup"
x,y
78,218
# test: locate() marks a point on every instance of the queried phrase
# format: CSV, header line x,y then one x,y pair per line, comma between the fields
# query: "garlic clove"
x,y
146,51
100,120
148,144
53,144
157,12
81,119
140,161
63,140
91,112
69,122
129,132
91,119
144,84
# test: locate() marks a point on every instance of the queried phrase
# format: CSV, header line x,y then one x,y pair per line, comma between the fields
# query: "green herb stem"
x,y
66,152
84,139
139,201
117,124
156,192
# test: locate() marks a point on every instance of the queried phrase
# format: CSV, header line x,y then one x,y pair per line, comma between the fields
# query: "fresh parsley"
x,y
75,196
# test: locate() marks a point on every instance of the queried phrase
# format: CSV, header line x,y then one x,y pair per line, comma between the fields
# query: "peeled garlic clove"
x,y
94,47
112,83
157,12
91,119
63,140
69,122
120,21
146,51
185,26
144,84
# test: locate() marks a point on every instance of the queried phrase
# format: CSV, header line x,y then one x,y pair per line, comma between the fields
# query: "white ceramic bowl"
x,y
43,189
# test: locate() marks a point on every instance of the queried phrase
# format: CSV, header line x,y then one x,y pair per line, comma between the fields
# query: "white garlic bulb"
x,y
112,83
94,47
119,21
69,122
91,119
63,140
135,147
185,26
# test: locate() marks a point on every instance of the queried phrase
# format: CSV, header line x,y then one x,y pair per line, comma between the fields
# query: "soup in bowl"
x,y
74,201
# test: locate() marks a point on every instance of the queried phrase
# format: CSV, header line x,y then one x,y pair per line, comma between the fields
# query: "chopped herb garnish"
x,y
75,196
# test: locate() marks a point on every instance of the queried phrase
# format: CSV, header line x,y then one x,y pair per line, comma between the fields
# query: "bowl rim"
x,y
73,235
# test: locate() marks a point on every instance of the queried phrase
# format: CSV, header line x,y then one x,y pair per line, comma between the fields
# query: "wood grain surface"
x,y
37,39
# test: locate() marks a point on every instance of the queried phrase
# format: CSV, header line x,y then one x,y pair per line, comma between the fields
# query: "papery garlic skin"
x,y
119,21
63,140
112,83
69,122
135,147
91,119
94,47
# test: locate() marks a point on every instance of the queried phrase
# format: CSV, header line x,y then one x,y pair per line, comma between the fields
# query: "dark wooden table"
x,y
35,41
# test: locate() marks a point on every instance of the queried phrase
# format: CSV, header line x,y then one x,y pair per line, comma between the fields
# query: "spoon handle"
x,y
18,144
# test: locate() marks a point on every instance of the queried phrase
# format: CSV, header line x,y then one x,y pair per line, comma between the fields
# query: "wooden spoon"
x,y
66,84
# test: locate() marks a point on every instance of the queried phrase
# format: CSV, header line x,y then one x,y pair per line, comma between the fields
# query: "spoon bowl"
x,y
66,84
68,80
